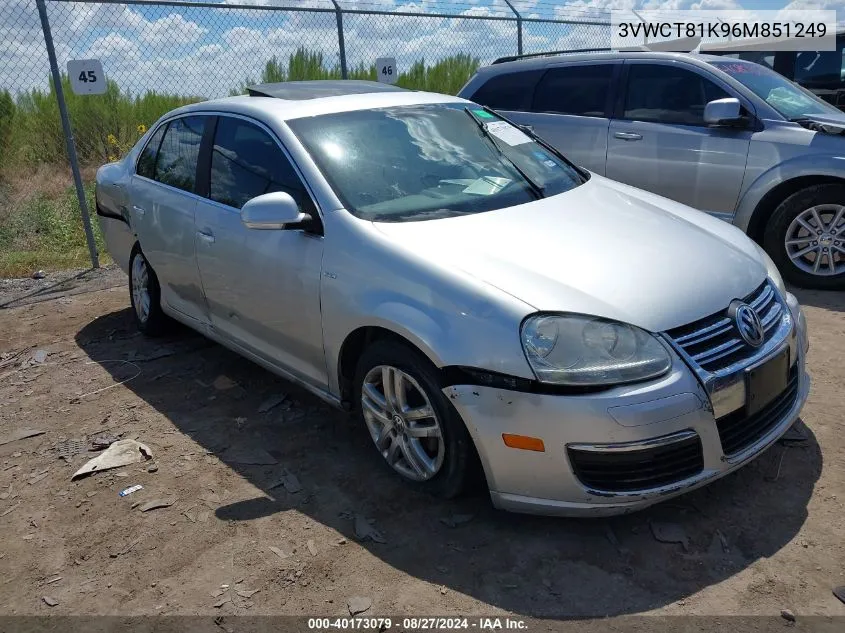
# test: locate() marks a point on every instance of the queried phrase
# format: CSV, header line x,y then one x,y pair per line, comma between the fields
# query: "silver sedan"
x,y
481,304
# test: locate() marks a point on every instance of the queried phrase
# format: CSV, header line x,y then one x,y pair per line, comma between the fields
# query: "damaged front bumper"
x,y
622,450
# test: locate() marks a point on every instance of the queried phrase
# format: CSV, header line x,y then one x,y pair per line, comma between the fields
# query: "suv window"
x,y
580,90
246,162
668,94
511,91
147,160
176,163
821,68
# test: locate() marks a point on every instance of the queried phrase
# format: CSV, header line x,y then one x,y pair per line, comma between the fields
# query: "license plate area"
x,y
765,382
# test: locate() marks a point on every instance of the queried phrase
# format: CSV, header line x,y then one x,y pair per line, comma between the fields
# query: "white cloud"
x,y
173,29
113,47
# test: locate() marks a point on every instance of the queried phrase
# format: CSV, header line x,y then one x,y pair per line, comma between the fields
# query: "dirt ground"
x,y
769,537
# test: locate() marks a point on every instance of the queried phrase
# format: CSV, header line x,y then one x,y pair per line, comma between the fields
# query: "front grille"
x,y
738,431
713,343
642,469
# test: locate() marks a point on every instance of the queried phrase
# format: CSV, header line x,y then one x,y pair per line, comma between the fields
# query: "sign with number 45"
x,y
86,76
386,70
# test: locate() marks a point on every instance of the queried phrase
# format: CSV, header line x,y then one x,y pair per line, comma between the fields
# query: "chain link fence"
x,y
158,54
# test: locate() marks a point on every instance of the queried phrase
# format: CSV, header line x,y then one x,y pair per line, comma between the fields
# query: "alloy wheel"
x,y
141,288
815,240
402,423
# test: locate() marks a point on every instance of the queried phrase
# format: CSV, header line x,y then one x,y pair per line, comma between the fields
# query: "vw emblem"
x,y
747,322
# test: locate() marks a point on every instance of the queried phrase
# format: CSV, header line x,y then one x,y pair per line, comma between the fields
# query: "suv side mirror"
x,y
276,210
726,111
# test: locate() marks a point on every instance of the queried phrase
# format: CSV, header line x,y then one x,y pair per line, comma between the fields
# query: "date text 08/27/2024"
x,y
417,623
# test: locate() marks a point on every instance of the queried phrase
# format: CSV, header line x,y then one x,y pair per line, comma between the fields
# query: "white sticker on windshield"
x,y
508,133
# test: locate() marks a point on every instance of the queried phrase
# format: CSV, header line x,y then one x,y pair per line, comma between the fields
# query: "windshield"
x,y
430,161
788,98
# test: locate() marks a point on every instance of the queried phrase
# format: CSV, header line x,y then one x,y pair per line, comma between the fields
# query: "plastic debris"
x,y
246,593
271,403
289,481
20,434
670,533
121,453
787,615
279,552
358,605
128,491
50,602
364,531
39,356
102,442
158,503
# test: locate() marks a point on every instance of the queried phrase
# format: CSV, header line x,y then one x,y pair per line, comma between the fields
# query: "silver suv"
x,y
726,136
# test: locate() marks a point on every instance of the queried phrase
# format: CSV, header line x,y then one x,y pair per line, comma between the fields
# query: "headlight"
x,y
584,351
772,271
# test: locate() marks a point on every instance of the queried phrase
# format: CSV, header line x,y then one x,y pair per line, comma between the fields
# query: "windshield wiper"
x,y
536,188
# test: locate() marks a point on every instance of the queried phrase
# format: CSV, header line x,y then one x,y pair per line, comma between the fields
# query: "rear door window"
x,y
580,90
176,163
668,94
147,160
246,162
510,91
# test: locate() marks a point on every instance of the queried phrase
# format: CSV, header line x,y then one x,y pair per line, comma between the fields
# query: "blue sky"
x,y
208,51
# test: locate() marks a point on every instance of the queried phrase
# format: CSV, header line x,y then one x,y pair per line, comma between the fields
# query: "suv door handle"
x,y
139,210
206,236
628,136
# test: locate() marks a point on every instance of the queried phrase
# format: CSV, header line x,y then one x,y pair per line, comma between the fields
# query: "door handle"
x,y
206,236
139,210
628,136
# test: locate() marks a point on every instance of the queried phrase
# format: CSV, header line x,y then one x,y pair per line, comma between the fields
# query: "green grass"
x,y
45,232
40,225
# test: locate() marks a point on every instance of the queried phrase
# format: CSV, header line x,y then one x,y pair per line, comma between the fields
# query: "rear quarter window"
x,y
509,91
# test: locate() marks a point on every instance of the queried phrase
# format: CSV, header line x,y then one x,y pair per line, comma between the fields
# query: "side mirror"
x,y
276,210
726,111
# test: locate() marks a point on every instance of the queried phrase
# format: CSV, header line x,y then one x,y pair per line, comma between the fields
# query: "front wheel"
x,y
414,427
805,237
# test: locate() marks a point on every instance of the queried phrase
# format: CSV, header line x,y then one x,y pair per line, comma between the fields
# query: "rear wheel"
x,y
805,237
414,427
145,295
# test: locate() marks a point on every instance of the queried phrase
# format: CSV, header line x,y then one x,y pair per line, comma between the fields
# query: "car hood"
x,y
603,249
834,122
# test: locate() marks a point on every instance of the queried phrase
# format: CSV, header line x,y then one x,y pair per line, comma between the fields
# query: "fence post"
x,y
71,145
518,27
341,45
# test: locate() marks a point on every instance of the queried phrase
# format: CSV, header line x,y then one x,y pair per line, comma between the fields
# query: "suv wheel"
x,y
414,427
805,237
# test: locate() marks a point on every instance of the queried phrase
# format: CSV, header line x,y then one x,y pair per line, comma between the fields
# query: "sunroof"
x,y
301,90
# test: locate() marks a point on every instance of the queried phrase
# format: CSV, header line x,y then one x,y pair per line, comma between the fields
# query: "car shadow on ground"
x,y
825,299
535,566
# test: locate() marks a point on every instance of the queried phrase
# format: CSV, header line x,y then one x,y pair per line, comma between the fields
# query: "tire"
x,y
792,221
452,454
149,317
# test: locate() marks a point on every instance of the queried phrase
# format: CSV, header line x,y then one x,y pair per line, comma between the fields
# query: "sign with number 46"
x,y
386,70
86,76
